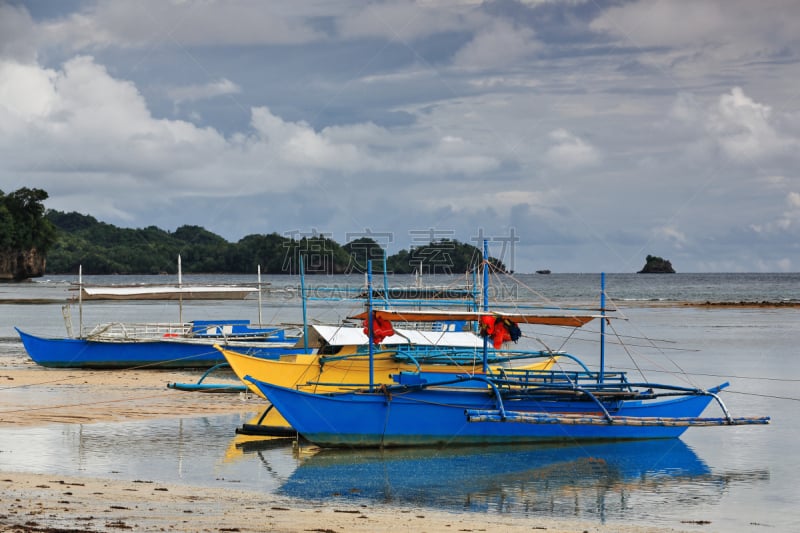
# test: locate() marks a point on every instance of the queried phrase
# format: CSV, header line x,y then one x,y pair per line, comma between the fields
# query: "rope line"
x,y
764,395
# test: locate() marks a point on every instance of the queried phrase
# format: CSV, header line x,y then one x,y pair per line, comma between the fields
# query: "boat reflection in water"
x,y
586,481
646,481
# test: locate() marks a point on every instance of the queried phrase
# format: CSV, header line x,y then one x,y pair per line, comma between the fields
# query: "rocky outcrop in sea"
x,y
657,265
19,265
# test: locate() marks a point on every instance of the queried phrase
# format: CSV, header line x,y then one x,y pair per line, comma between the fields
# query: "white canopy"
x,y
349,335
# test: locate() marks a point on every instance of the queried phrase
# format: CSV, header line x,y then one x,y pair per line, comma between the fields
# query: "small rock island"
x,y
21,265
657,265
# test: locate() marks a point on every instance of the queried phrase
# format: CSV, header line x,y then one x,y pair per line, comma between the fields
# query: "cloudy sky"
x,y
575,135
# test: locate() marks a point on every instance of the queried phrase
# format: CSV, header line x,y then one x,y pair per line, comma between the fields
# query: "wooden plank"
x,y
437,316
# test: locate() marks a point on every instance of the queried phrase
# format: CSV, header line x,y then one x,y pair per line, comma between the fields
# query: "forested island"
x,y
105,249
36,241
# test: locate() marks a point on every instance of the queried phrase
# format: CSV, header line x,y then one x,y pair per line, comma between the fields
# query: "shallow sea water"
x,y
712,479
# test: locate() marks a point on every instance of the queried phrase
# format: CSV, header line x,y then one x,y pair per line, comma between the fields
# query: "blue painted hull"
x,y
172,353
436,417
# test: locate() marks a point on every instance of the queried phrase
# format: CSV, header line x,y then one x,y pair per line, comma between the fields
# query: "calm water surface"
x,y
736,478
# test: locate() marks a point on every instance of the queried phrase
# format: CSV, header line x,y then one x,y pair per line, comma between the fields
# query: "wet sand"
x,y
32,395
48,503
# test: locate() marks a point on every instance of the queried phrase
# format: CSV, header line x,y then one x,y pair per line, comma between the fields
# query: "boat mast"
x,y
180,291
80,301
474,293
385,283
259,296
371,332
303,300
600,376
485,302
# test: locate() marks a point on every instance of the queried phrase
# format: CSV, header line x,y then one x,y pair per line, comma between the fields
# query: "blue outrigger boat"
x,y
155,345
509,406
159,344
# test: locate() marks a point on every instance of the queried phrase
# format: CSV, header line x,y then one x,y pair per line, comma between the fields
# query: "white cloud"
x,y
744,130
743,127
784,265
673,235
663,22
505,81
18,34
191,93
510,198
787,222
450,155
706,44
297,144
775,181
723,28
496,47
405,21
149,23
570,152
686,108
26,91
98,131
365,148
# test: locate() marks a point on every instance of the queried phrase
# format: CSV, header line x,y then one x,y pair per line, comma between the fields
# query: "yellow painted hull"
x,y
304,371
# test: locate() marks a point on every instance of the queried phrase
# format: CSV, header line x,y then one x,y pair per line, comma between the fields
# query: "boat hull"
x,y
165,353
436,417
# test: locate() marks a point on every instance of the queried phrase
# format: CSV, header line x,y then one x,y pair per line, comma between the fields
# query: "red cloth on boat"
x,y
487,324
495,327
500,334
381,329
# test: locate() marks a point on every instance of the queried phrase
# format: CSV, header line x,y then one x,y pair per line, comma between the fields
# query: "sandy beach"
x,y
33,395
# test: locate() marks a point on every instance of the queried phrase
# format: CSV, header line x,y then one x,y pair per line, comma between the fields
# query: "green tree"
x,y
440,257
23,222
360,251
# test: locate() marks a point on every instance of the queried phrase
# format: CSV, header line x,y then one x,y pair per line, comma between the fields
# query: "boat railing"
x,y
599,396
226,331
598,393
522,377
323,359
138,331
442,325
458,356
417,355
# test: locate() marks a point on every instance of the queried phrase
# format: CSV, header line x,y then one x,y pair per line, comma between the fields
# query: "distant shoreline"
x,y
708,303
763,303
